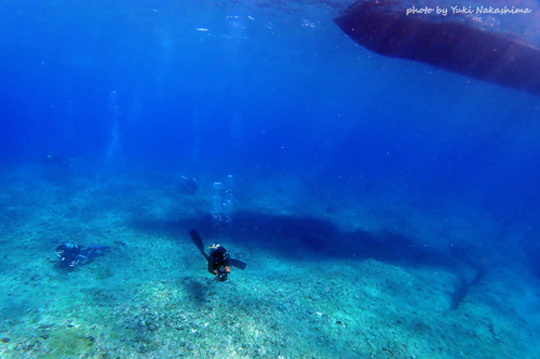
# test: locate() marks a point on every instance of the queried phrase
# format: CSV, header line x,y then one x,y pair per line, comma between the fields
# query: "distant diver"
x,y
219,260
53,159
188,185
71,254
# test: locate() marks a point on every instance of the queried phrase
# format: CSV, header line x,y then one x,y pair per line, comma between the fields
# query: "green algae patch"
x,y
103,273
70,342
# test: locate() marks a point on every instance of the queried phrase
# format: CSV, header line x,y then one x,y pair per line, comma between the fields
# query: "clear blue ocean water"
x,y
270,90
234,85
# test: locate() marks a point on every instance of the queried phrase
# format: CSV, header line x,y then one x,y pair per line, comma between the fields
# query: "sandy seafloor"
x,y
151,296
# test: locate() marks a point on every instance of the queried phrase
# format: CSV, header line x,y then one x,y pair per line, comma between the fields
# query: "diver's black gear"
x,y
218,264
238,264
198,242
71,254
219,260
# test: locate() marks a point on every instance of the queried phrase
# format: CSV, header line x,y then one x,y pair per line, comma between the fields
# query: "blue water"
x,y
262,89
268,88
238,86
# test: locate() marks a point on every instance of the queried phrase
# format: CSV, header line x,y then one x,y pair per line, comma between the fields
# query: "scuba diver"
x,y
55,160
71,254
219,260
189,185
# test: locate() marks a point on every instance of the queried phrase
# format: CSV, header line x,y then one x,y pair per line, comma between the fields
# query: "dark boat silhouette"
x,y
384,27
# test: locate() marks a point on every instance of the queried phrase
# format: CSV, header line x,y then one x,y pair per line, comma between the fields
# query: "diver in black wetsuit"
x,y
219,260
71,254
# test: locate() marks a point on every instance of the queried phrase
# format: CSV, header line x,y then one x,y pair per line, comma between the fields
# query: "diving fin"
x,y
198,242
237,263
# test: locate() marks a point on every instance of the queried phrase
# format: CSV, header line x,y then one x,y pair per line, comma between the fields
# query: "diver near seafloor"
x,y
189,185
71,255
219,260
53,159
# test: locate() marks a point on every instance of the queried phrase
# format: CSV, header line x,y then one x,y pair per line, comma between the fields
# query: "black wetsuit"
x,y
219,262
